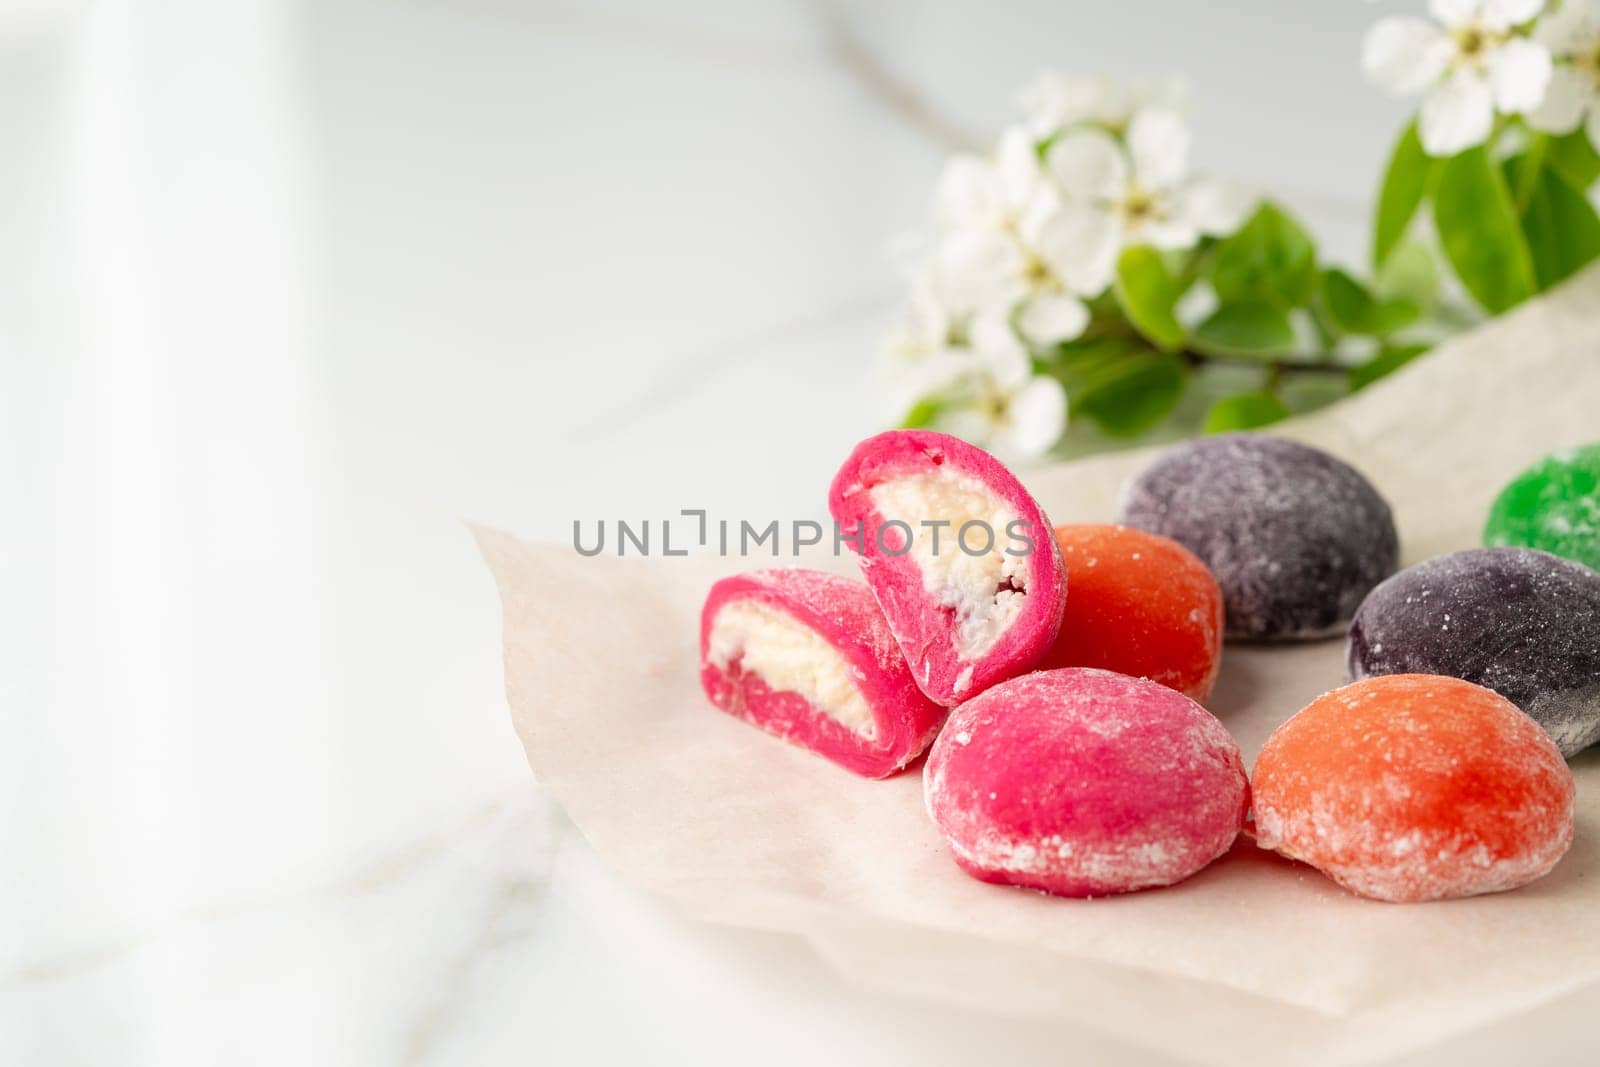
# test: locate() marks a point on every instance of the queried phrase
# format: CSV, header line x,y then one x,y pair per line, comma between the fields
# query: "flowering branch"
x,y
1080,269
1275,368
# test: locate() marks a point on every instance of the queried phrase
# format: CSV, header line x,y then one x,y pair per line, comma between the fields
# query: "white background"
x,y
289,290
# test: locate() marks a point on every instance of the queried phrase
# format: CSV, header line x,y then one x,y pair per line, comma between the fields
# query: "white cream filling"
x,y
788,655
987,591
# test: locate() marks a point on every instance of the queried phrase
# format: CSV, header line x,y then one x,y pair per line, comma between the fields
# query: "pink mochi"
x,y
973,601
808,657
1082,782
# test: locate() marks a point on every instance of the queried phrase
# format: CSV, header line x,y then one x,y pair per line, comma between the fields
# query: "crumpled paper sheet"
x,y
1256,959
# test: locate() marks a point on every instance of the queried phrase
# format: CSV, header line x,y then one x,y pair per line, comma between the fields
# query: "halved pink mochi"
x,y
1081,782
808,656
962,560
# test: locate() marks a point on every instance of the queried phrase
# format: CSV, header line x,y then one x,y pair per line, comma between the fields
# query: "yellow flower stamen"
x,y
1588,63
1474,42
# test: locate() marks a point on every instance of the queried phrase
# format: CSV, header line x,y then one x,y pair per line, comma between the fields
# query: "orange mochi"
x,y
1139,604
1412,787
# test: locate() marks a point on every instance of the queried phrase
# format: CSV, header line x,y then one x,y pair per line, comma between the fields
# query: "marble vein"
x,y
385,873
901,98
506,921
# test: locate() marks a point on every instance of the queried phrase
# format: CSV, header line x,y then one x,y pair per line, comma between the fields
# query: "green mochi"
x,y
1553,506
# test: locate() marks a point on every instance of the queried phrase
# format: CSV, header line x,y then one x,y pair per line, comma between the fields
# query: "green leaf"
x,y
1561,227
1524,170
1388,360
1270,259
1574,158
1144,393
1148,294
1245,411
1410,273
1348,302
1478,227
1121,383
922,414
1355,310
1250,327
1405,183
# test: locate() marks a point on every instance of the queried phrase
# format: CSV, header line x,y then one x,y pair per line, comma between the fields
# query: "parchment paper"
x,y
1256,958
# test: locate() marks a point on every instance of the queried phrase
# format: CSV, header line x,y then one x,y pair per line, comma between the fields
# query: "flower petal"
x,y
1035,418
1454,12
968,193
927,320
1166,233
1158,142
1504,14
1568,97
999,351
1080,243
1017,164
1404,55
1215,206
1045,203
1053,101
1051,318
1457,115
937,372
979,267
1088,164
1591,125
1519,72
1572,27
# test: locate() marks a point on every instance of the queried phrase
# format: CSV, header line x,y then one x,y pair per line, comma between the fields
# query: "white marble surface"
x,y
288,290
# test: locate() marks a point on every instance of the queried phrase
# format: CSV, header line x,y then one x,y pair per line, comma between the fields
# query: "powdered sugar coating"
x,y
1415,787
1082,782
1294,536
1553,506
1028,599
843,614
1523,623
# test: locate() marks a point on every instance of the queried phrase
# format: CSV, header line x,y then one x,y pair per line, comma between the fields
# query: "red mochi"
x,y
961,558
1081,782
807,656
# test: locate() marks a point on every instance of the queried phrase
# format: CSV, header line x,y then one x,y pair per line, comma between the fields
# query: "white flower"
x,y
1572,33
1035,269
995,399
1477,62
1032,270
941,317
993,193
1005,245
929,325
1142,194
1054,101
